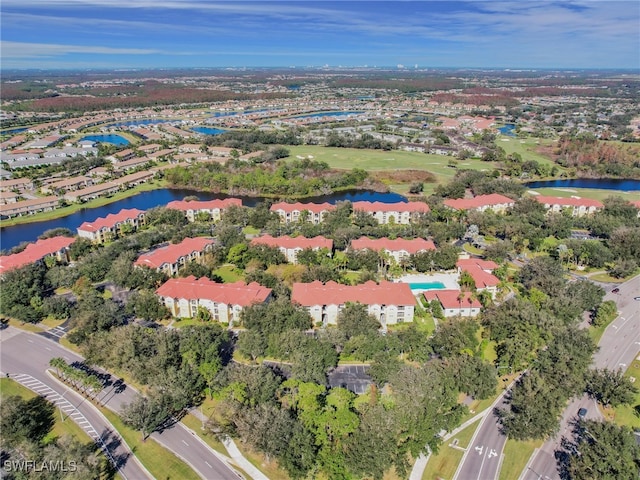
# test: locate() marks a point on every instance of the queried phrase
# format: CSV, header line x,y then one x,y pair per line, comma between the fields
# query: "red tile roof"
x,y
391,207
312,207
477,262
34,252
370,293
172,253
569,201
236,293
636,203
477,269
294,242
410,246
110,220
477,202
449,299
204,205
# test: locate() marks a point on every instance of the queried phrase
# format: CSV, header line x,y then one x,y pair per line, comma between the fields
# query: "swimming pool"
x,y
427,286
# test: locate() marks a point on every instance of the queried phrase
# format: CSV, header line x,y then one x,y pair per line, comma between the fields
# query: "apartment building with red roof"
x,y
481,272
170,258
494,201
399,212
57,247
455,302
390,303
576,205
291,246
291,212
225,301
214,208
103,229
398,248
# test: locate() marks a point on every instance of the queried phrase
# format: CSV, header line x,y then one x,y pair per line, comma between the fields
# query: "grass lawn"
x,y
269,467
98,202
467,247
29,327
443,465
157,459
425,323
526,147
229,273
594,193
249,230
604,277
66,343
596,332
516,456
626,414
61,428
50,322
379,160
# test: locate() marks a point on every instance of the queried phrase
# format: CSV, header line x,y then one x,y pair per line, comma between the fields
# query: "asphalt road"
x,y
29,354
618,346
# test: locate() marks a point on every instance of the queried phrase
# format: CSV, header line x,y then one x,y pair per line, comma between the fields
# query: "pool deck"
x,y
449,280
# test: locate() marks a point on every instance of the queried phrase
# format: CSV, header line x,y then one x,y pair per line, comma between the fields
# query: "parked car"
x,y
582,413
615,290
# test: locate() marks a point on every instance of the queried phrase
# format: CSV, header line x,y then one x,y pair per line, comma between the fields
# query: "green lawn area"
x,y
594,193
604,277
158,460
29,327
596,332
526,147
61,428
443,465
516,456
467,247
98,202
249,230
626,414
380,160
229,273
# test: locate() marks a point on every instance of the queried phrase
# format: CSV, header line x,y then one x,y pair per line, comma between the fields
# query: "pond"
x,y
29,232
208,130
622,184
110,138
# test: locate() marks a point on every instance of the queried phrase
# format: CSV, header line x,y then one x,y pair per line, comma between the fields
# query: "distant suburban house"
x,y
27,207
481,272
398,248
455,302
213,208
291,246
67,185
390,303
291,212
577,206
399,212
170,258
35,252
494,201
104,229
225,301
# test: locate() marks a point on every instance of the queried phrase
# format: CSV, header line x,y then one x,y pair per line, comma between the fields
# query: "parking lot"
x,y
352,377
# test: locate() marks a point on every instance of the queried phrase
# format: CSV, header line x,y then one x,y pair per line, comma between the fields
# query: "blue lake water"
x,y
110,138
29,232
13,131
208,130
328,114
624,185
507,129
427,286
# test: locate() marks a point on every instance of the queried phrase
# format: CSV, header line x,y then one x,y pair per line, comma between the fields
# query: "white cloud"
x,y
33,50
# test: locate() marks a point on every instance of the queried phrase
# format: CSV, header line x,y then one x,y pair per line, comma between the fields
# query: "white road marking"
x,y
207,463
185,443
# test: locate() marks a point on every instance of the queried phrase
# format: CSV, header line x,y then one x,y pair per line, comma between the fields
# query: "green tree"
x,y
147,413
610,388
354,319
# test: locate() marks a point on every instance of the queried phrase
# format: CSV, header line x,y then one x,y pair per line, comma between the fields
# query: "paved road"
x,y
29,354
618,346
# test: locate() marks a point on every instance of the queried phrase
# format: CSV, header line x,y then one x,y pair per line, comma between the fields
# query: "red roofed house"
x,y
169,259
388,302
290,212
215,208
578,206
103,229
398,248
57,247
225,301
455,302
637,205
291,246
481,272
400,212
494,201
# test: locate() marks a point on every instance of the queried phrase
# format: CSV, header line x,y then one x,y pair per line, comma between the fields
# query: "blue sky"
x,y
205,33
